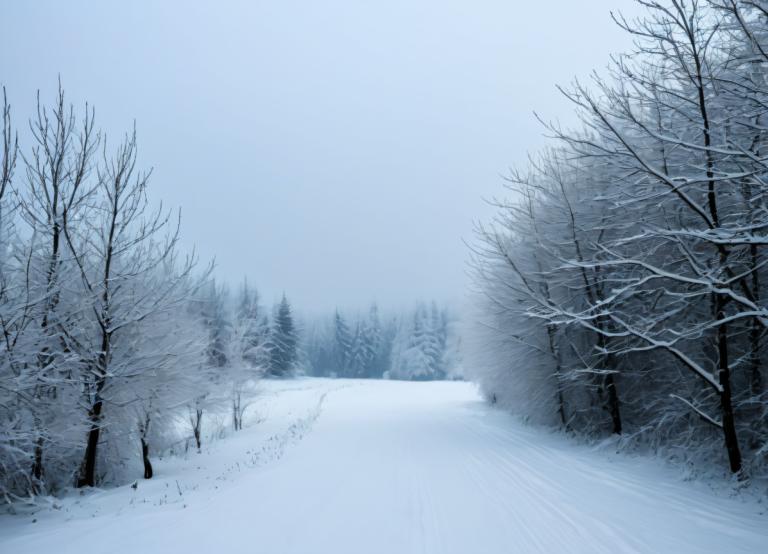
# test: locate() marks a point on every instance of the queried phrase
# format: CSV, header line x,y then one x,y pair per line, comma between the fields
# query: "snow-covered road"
x,y
396,468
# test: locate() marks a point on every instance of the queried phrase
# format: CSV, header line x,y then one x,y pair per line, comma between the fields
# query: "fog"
x,y
339,150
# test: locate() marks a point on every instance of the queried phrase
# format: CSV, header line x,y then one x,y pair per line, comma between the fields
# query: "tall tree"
x,y
126,256
284,353
57,192
252,328
342,346
213,302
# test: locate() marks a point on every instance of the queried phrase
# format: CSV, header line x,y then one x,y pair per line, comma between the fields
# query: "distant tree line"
x,y
623,286
422,344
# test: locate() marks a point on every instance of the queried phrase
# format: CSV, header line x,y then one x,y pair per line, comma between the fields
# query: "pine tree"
x,y
284,341
362,352
377,363
439,326
214,313
263,333
418,349
423,355
342,346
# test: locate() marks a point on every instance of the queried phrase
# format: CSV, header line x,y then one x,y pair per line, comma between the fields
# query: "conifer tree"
x,y
284,341
342,345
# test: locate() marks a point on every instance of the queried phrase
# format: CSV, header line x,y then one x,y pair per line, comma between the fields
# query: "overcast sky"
x,y
338,150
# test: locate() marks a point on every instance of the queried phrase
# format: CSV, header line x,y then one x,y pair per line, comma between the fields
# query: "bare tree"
x,y
123,253
57,170
651,221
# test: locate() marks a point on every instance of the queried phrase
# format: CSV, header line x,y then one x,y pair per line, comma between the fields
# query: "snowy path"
x,y
395,468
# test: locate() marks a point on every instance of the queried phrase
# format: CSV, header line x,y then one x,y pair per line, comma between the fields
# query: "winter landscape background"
x,y
354,296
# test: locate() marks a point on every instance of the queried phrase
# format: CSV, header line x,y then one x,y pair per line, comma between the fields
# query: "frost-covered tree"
x,y
103,346
170,348
56,191
630,265
214,301
249,350
342,346
379,343
126,256
252,329
419,356
16,403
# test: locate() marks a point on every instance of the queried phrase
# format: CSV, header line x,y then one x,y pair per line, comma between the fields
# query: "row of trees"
x,y
419,345
629,271
112,343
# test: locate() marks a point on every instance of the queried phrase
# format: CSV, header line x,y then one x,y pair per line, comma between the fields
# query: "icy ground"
x,y
389,467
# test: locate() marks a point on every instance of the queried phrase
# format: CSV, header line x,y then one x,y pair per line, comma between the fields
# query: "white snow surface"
x,y
343,466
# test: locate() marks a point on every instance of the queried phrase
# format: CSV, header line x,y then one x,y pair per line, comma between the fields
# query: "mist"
x,y
336,151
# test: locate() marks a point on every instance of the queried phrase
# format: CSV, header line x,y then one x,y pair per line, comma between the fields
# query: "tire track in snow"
x,y
561,488
528,507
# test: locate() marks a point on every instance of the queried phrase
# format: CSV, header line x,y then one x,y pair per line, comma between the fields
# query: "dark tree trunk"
x,y
756,378
197,427
37,463
728,420
558,376
88,472
613,404
237,416
145,458
609,382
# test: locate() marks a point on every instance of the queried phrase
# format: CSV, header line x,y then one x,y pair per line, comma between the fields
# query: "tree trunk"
x,y
609,382
729,423
613,404
197,426
237,418
145,458
37,464
756,378
88,472
558,376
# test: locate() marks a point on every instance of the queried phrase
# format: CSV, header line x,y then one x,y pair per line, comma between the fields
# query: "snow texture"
x,y
344,466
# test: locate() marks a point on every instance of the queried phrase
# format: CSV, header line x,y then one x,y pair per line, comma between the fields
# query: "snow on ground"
x,y
393,467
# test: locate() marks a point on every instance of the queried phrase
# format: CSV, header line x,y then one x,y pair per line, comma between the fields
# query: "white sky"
x,y
339,149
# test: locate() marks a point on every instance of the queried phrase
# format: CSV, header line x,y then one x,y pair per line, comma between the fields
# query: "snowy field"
x,y
393,467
